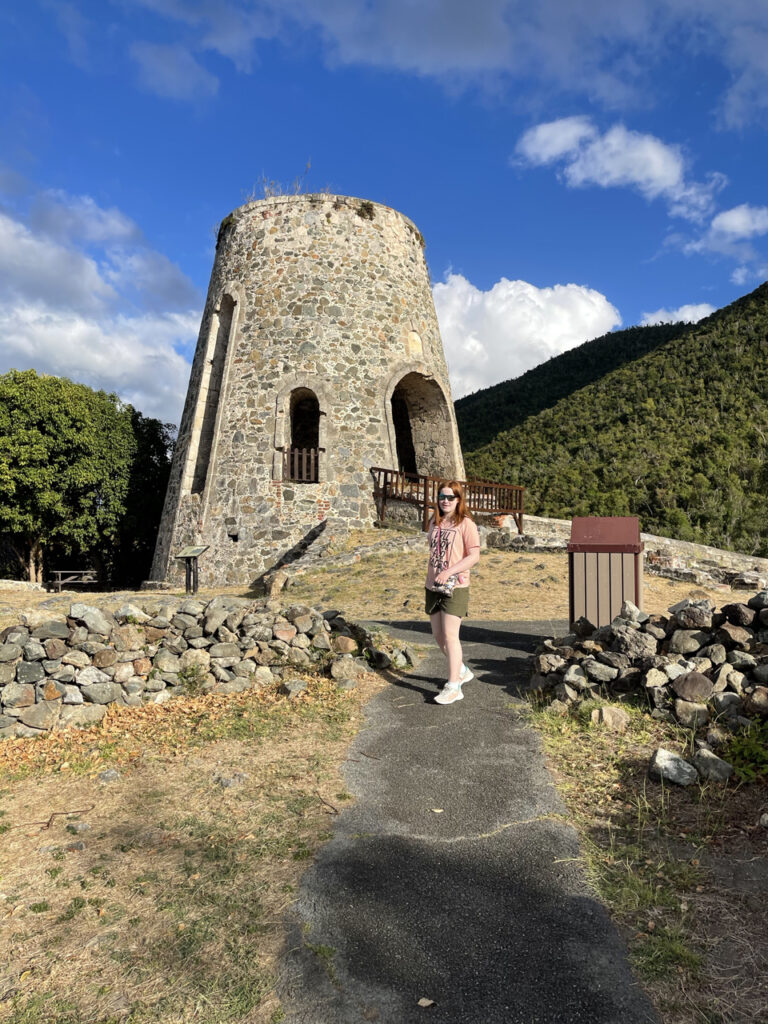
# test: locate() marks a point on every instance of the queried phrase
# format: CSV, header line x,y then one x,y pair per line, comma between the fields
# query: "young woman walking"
x,y
454,547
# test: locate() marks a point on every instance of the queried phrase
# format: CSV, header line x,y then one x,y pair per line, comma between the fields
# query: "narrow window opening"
x,y
301,462
214,374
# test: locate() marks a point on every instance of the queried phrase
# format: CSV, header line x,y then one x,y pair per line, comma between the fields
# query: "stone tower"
x,y
319,357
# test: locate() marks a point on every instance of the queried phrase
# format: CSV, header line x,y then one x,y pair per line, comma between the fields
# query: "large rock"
x,y
131,613
29,672
668,767
18,695
52,629
225,651
195,658
127,638
733,636
79,659
93,618
693,686
105,658
688,641
739,614
691,715
34,651
10,652
712,767
694,615
599,672
91,675
614,719
102,693
164,661
633,643
729,705
81,717
43,715
757,701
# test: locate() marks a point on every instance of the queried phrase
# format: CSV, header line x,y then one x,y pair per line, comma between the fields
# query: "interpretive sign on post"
x,y
190,556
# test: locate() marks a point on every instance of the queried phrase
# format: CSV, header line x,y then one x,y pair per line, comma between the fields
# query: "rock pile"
x,y
64,672
703,669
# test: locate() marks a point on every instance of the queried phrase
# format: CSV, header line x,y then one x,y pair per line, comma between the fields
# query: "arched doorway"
x,y
424,440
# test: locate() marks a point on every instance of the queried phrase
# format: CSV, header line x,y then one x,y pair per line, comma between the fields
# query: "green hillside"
x,y
482,415
677,434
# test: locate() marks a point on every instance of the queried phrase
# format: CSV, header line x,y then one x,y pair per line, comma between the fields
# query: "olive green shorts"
x,y
456,604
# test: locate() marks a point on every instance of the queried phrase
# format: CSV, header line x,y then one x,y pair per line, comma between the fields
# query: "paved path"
x,y
481,907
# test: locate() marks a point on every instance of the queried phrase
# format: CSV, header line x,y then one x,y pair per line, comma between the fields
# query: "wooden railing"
x,y
479,495
301,465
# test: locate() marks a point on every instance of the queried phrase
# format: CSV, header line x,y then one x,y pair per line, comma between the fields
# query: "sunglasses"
x,y
447,497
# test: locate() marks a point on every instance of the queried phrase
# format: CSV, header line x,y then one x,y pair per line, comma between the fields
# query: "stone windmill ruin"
x,y
319,358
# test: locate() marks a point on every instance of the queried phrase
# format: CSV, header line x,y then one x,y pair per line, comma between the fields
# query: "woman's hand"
x,y
443,577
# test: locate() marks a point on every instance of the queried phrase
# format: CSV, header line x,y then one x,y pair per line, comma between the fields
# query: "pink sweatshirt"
x,y
449,545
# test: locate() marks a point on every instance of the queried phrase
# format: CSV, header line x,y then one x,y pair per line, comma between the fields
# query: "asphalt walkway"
x,y
453,877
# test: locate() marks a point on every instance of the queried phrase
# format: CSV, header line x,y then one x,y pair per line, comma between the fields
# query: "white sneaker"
x,y
466,675
449,694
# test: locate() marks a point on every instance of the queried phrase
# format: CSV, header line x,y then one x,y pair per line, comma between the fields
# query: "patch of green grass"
x,y
76,904
664,951
327,957
40,908
748,753
44,1009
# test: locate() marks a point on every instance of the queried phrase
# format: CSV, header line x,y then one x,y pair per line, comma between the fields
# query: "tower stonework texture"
x,y
319,357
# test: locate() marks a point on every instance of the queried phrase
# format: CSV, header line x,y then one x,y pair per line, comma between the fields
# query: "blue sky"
x,y
574,167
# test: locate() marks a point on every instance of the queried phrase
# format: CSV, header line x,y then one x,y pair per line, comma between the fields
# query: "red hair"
x,y
460,512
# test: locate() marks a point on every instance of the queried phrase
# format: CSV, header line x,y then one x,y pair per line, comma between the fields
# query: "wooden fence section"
x,y
301,465
480,495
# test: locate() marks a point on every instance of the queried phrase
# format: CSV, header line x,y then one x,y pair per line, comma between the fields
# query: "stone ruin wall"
x,y
327,293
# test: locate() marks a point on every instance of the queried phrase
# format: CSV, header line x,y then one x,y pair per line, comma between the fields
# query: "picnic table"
x,y
82,577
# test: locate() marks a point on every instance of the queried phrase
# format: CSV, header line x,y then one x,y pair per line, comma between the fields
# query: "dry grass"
x,y
505,585
172,910
683,871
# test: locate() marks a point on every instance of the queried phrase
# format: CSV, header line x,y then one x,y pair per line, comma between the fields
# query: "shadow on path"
x,y
455,876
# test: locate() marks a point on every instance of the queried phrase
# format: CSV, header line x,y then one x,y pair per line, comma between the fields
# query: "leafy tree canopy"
x,y
68,455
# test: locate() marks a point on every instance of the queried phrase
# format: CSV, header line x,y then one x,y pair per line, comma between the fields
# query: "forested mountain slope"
x,y
482,415
677,436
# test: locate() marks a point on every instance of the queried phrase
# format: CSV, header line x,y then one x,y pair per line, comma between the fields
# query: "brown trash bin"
x,y
605,567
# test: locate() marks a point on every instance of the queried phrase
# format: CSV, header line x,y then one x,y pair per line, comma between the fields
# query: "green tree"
x,y
67,458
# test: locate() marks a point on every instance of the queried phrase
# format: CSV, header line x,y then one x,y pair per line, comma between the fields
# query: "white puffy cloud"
x,y
688,314
173,71
745,275
136,357
618,158
83,295
499,334
606,50
79,218
32,266
730,234
743,221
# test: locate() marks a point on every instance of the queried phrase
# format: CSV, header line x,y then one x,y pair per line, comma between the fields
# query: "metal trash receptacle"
x,y
605,567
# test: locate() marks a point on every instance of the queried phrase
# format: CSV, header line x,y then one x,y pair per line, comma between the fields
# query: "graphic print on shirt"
x,y
442,541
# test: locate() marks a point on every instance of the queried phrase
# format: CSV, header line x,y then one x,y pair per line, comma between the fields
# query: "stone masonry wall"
x,y
325,293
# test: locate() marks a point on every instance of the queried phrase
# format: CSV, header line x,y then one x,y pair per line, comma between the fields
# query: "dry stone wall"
x,y
66,672
702,669
316,298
